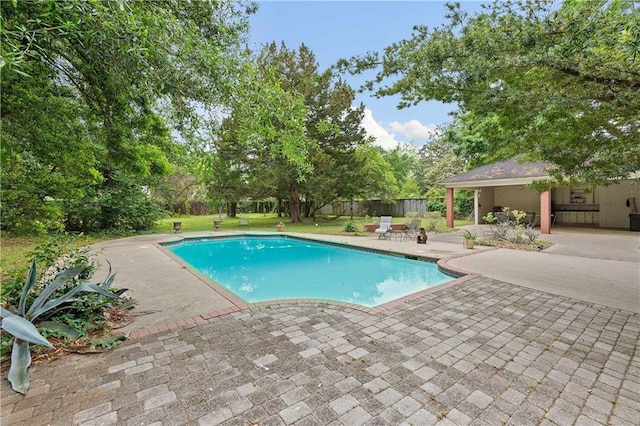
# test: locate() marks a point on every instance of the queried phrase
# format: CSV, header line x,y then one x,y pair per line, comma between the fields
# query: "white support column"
x,y
476,206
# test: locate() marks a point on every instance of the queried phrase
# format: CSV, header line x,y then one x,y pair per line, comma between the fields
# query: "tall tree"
x,y
132,70
325,158
263,145
438,161
562,81
297,74
403,159
36,166
297,138
224,168
410,188
341,140
341,147
471,137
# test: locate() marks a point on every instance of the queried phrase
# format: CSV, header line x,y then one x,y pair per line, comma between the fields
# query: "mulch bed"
x,y
117,318
538,245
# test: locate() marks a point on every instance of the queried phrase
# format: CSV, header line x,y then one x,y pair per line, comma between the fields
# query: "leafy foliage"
x,y
122,206
468,235
437,161
20,323
512,230
293,136
433,221
176,193
54,254
403,160
263,142
559,83
349,226
91,94
66,266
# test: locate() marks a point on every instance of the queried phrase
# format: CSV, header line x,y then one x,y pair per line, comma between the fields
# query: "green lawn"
x,y
257,222
260,222
15,250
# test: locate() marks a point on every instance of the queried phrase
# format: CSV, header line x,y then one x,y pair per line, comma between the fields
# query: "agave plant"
x,y
20,324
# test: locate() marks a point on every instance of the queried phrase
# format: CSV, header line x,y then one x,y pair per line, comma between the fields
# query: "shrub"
x,y
512,230
20,323
433,215
349,226
70,306
123,205
26,207
500,231
437,205
463,204
489,218
433,221
10,290
432,226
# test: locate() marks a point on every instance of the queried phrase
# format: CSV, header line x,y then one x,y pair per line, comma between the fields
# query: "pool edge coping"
x,y
239,304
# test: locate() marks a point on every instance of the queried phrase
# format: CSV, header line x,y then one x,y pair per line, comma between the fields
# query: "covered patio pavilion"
x,y
505,184
509,178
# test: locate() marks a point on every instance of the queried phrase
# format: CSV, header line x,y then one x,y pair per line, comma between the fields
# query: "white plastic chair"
x,y
384,228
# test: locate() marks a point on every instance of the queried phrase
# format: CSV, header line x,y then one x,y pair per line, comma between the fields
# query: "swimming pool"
x,y
262,268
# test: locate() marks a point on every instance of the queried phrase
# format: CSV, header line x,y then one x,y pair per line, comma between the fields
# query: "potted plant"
x,y
280,226
469,239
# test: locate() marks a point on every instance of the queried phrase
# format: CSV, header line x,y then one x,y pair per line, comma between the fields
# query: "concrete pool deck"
x,y
490,350
148,271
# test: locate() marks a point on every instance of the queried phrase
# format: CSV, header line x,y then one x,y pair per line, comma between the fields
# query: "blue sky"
x,y
341,29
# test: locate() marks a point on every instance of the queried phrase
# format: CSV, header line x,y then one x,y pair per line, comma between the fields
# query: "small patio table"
x,y
400,235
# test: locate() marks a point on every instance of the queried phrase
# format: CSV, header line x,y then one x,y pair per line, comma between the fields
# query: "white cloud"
x,y
384,139
413,129
386,135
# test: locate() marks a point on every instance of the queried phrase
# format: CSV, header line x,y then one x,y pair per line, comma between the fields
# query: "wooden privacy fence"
x,y
398,208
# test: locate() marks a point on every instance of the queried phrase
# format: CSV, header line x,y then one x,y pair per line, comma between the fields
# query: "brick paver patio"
x,y
481,352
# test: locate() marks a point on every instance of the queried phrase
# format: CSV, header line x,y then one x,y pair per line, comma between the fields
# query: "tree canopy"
x,y
294,136
553,82
95,94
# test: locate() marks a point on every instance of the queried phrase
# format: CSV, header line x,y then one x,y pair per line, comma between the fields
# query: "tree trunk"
x,y
232,209
294,204
308,208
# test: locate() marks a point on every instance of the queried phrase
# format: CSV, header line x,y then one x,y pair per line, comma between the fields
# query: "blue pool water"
x,y
270,268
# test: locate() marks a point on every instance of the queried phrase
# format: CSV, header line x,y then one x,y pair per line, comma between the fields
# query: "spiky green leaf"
x,y
60,279
62,329
108,282
28,285
22,329
81,288
20,361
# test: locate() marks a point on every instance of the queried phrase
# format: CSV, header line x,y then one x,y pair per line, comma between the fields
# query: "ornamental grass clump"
x,y
20,322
